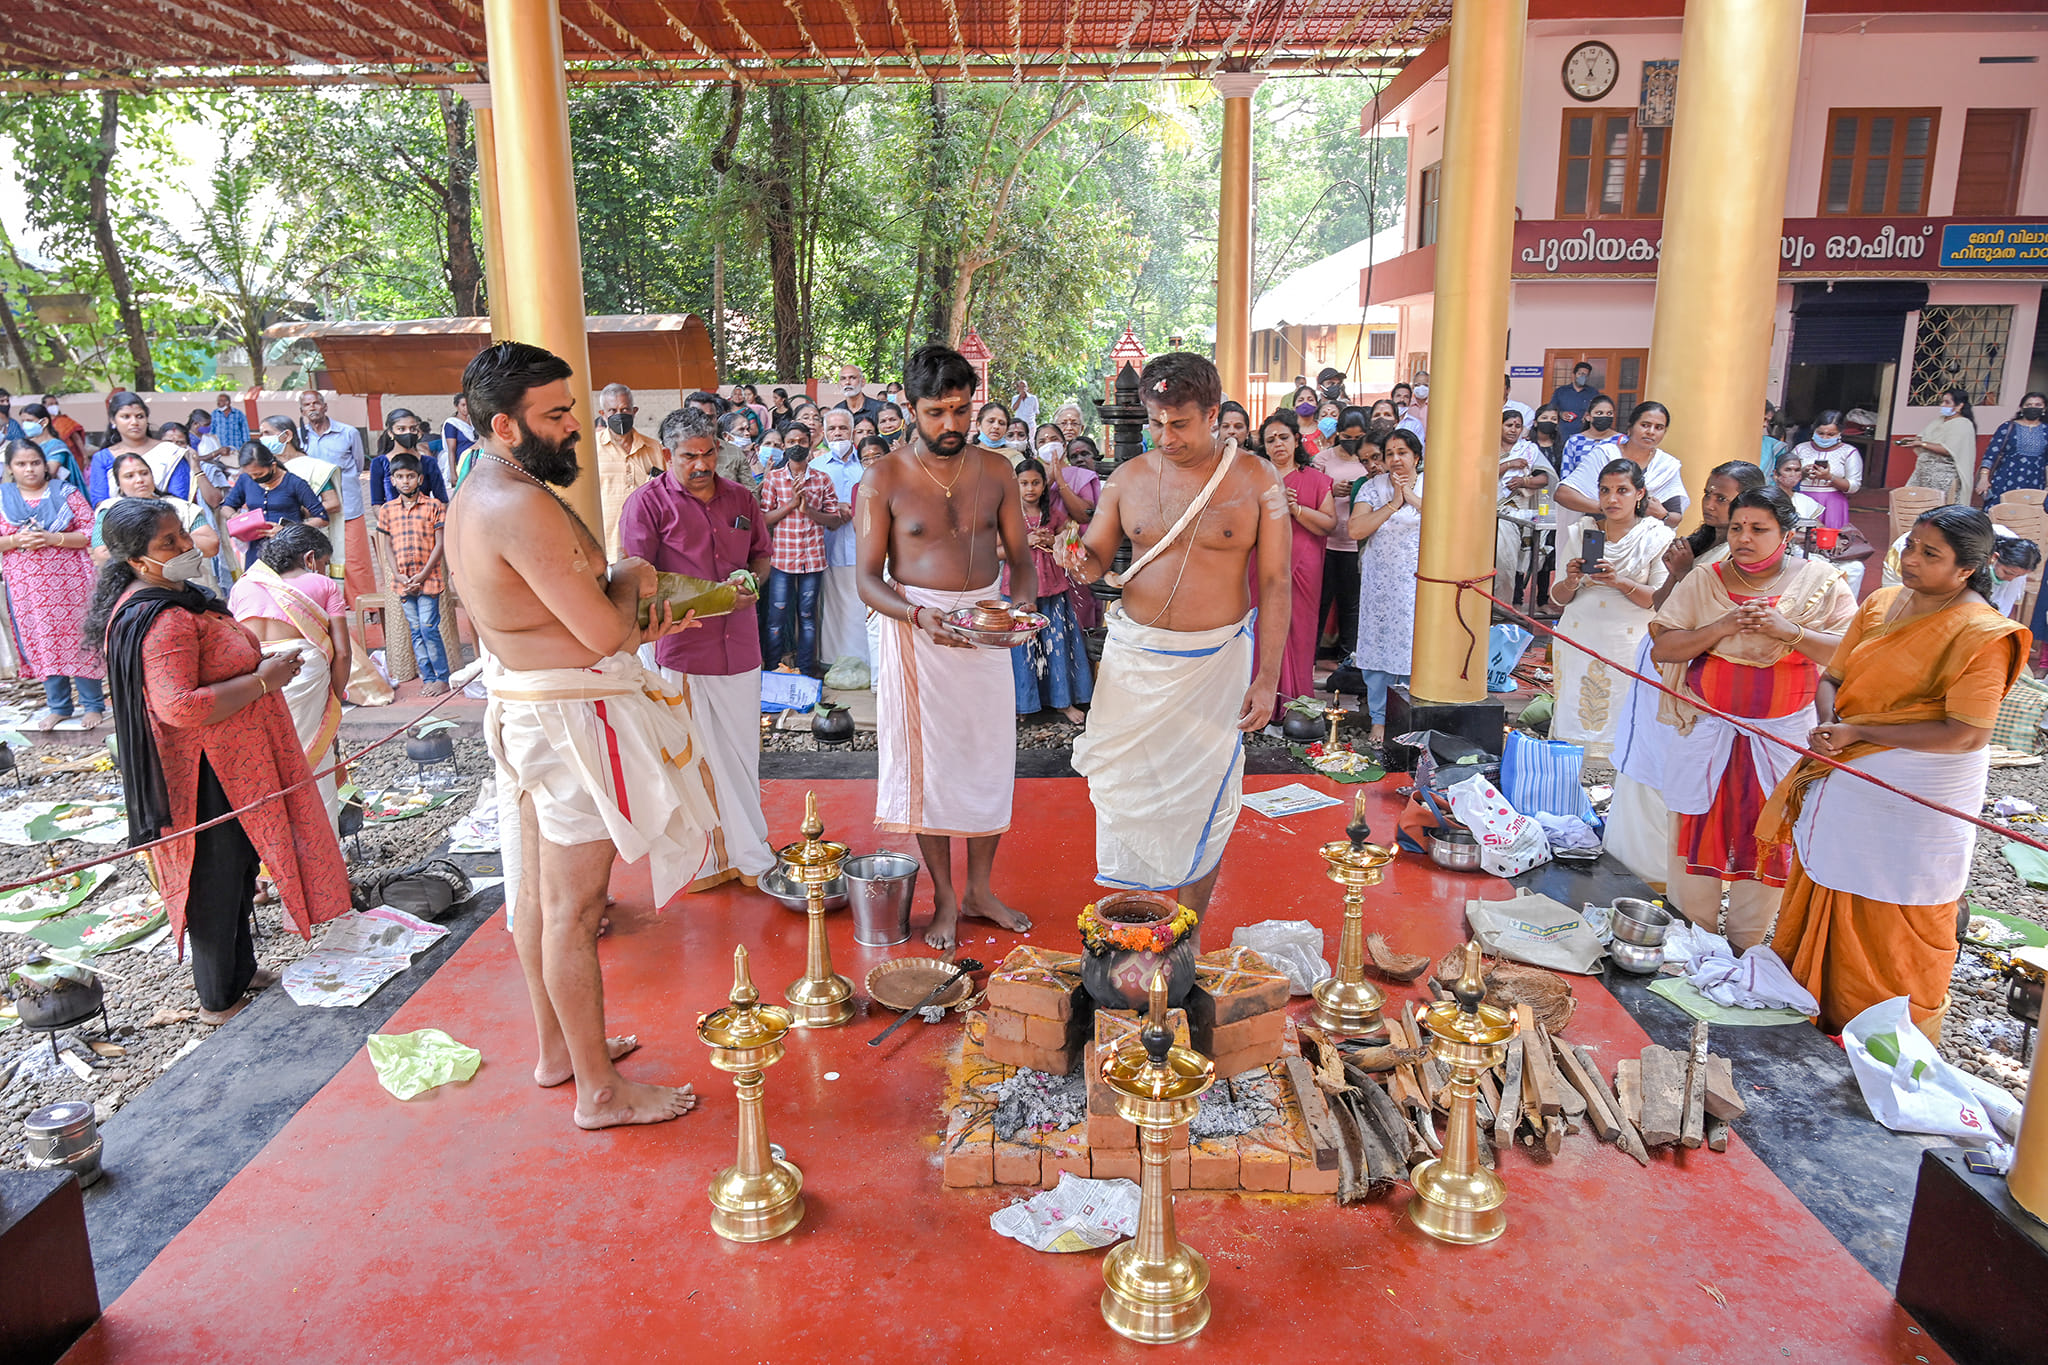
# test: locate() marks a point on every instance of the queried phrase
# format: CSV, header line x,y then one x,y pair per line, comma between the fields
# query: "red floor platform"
x,y
477,1224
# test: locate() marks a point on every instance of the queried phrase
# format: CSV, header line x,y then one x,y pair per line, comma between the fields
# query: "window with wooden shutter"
x,y
1988,174
1609,167
1877,161
1429,194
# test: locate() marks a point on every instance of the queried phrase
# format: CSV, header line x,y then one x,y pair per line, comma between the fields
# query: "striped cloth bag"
x,y
1543,775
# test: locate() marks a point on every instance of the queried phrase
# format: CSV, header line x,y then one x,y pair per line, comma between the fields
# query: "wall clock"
x,y
1590,70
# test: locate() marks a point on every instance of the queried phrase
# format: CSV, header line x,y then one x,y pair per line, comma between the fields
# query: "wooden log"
x,y
1694,1131
1388,1133
1717,1134
1626,1136
1724,1101
1663,1096
1591,1094
1546,1073
1510,1112
1553,1133
1434,1077
1323,1138
1628,1086
1487,1100
1353,1180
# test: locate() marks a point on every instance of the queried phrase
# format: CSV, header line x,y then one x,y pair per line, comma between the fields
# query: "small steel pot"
x,y
62,1136
1641,924
789,893
1455,850
1635,957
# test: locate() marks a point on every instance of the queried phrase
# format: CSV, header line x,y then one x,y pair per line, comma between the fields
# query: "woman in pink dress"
x,y
1311,506
45,527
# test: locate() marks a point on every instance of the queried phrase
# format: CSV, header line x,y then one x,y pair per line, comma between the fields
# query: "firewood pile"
x,y
1375,1109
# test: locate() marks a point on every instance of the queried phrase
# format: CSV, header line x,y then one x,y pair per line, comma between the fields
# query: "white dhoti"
x,y
605,752
1162,752
316,714
842,618
725,724
946,726
1638,821
1865,841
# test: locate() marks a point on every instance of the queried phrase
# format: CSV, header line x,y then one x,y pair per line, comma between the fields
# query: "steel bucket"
x,y
879,889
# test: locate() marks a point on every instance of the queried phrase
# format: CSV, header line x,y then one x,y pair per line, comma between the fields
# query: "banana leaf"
x,y
686,594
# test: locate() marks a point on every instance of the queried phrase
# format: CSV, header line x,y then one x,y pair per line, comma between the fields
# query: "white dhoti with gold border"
x,y
946,728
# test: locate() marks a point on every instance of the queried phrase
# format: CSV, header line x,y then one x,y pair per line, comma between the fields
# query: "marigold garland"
x,y
1102,935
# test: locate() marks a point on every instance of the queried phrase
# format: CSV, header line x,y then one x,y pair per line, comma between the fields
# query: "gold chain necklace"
x,y
560,501
918,455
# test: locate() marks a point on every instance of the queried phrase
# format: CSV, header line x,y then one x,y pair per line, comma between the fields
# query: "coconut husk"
x,y
1397,966
1508,984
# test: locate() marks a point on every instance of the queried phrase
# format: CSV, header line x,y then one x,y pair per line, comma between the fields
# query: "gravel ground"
x,y
1980,1035
153,986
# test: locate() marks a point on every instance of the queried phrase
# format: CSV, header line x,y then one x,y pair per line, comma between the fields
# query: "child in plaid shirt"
x,y
411,523
798,506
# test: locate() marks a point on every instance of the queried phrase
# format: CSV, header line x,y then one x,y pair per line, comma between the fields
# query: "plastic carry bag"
x,y
1542,775
1537,930
1504,646
1295,946
1910,1089
1510,843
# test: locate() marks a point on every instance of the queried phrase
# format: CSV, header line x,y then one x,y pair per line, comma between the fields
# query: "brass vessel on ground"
x,y
1456,1198
1347,1004
1156,1290
759,1196
820,998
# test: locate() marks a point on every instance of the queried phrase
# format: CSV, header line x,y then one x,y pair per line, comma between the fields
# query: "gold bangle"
x,y
263,683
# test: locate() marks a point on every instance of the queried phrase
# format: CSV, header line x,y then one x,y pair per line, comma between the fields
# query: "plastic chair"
x,y
1907,504
2033,496
398,656
2028,521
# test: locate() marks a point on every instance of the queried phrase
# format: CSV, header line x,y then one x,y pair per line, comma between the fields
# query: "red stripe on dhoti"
x,y
1722,842
611,751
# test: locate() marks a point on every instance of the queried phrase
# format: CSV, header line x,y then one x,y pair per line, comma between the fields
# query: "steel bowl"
x,y
790,894
1640,923
1455,850
1635,957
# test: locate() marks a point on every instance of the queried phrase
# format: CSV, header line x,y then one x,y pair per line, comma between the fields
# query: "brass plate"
x,y
899,984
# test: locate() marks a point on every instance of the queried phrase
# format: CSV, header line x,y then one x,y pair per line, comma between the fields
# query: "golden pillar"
x,y
1468,345
479,99
1724,212
1234,239
542,259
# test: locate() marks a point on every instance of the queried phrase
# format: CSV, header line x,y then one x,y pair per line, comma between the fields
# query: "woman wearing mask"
x,y
280,436
202,733
1343,459
1312,510
1607,606
133,479
1644,445
288,602
1051,671
404,434
1384,412
1386,521
1526,478
2016,458
1747,637
1329,421
889,425
1946,447
45,526
1599,432
992,425
1910,697
1831,468
35,425
131,436
266,486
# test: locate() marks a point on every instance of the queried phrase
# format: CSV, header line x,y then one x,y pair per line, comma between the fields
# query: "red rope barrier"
x,y
1472,585
233,814
1471,640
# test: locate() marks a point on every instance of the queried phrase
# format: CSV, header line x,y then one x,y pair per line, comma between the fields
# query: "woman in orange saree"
x,y
1869,910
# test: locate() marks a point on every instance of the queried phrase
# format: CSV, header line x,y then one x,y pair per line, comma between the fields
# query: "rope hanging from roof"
x,y
909,43
689,36
859,40
1173,48
804,31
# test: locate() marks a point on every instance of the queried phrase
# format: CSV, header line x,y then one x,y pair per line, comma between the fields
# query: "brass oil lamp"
x,y
821,998
1456,1198
759,1196
1347,1005
1156,1290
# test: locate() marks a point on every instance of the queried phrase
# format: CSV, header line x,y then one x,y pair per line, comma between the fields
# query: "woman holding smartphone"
x,y
1613,568
1833,469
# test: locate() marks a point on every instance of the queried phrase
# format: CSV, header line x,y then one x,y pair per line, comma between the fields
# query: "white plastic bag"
x,y
1537,930
1510,843
1910,1089
1295,946
1075,1215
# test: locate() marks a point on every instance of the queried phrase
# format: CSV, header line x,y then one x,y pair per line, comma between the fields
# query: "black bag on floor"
x,y
426,890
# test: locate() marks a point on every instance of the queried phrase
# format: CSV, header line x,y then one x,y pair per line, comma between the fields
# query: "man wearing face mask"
x,y
842,616
1574,399
1415,417
626,458
1330,381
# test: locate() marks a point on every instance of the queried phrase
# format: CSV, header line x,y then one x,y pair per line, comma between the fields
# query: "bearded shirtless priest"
x,y
1163,751
929,518
595,765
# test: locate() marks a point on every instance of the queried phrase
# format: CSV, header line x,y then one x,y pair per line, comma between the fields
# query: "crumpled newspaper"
x,y
411,1064
1076,1215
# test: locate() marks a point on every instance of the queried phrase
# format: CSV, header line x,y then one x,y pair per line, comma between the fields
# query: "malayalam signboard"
x,y
1809,248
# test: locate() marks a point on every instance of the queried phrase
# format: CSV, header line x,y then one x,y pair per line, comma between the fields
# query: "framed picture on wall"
x,y
1660,95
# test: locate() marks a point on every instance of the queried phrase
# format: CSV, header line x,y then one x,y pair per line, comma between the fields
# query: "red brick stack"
x,y
1037,1015
1237,1010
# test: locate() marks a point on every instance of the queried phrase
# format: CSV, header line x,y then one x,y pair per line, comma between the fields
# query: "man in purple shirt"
x,y
688,520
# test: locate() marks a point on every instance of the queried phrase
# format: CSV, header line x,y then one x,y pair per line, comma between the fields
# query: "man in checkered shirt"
x,y
798,506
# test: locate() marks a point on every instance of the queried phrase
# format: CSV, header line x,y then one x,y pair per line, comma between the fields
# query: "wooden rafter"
x,y
356,9
632,38
115,58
